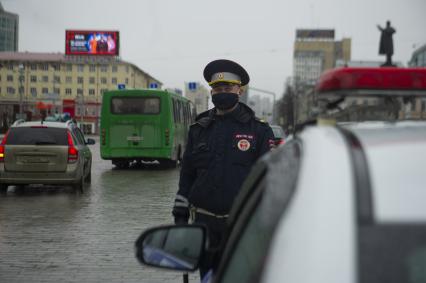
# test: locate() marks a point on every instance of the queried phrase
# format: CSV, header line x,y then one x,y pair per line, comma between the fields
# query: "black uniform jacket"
x,y
220,152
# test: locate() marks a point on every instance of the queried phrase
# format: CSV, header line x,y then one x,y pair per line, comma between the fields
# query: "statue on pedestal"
x,y
386,43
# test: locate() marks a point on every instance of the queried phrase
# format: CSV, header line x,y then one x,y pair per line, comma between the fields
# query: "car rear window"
x,y
278,132
37,136
392,253
135,105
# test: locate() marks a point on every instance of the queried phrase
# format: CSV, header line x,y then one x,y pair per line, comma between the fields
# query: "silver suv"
x,y
54,153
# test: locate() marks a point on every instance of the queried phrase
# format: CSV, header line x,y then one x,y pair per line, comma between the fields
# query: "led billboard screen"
x,y
85,42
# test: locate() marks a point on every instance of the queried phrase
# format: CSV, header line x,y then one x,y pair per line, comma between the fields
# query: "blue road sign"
x,y
121,86
153,85
192,86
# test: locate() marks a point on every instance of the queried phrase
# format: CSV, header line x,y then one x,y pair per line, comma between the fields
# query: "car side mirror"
x,y
90,141
176,247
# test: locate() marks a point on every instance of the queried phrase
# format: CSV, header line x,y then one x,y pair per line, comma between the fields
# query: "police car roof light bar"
x,y
373,82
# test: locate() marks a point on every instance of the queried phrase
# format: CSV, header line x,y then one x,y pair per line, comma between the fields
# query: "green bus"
x,y
144,125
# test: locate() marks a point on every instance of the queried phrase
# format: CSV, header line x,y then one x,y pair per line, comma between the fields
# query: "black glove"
x,y
181,215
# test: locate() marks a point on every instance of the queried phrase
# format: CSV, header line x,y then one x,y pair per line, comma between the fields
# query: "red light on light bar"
x,y
411,79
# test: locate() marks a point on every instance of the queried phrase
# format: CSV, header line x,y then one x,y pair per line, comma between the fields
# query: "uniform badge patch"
x,y
243,145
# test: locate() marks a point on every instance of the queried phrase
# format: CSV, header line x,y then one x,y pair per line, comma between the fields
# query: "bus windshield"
x,y
135,105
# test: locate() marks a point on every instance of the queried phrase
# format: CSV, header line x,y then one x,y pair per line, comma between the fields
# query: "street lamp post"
x,y
21,88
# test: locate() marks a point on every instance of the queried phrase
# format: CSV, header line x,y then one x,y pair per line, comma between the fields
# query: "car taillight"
x,y
282,141
167,136
2,147
103,137
72,151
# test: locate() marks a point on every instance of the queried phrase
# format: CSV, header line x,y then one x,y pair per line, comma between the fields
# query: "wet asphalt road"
x,y
52,234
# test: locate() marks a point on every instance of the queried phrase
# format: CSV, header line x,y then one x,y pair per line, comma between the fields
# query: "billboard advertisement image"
x,y
85,42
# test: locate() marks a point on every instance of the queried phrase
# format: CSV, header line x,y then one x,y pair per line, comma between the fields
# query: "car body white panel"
x,y
315,240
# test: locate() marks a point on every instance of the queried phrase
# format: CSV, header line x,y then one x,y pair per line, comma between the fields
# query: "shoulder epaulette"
x,y
260,120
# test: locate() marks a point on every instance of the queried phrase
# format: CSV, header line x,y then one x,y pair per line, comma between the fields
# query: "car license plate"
x,y
135,138
35,159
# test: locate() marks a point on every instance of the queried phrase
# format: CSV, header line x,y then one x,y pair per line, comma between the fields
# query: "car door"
x,y
257,210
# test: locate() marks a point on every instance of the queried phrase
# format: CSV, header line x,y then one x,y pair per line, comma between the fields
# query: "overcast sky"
x,y
173,40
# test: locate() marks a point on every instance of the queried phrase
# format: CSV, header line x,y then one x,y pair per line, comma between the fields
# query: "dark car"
x,y
279,136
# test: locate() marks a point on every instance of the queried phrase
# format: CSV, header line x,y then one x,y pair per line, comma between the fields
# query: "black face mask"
x,y
224,100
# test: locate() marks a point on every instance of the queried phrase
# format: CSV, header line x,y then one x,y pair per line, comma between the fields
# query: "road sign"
x,y
121,86
153,85
192,86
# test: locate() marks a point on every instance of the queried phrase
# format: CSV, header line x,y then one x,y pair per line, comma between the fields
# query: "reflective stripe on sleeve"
x,y
181,199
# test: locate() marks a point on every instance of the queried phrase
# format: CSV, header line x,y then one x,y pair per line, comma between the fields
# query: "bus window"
x,y
181,112
174,111
135,105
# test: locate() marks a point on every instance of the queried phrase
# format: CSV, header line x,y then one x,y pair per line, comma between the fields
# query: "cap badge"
x,y
220,76
243,145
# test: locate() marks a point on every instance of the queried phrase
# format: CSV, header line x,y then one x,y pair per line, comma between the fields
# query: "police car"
x,y
340,202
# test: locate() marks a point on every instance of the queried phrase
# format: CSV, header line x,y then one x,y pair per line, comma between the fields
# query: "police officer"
x,y
222,146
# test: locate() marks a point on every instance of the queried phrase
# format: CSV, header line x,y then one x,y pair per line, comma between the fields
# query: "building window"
x,y
44,90
92,80
68,91
33,67
57,90
68,80
114,81
10,90
69,68
127,81
91,91
9,78
92,68
56,67
103,80
80,80
10,67
33,92
44,67
33,79
104,69
56,79
127,69
103,90
45,79
80,91
80,68
114,69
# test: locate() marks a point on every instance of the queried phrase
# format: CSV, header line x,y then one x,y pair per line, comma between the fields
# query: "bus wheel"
x,y
3,188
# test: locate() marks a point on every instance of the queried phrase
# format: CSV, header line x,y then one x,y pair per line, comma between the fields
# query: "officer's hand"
x,y
181,215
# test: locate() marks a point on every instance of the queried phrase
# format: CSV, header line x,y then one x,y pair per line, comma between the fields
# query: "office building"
x,y
315,51
418,59
53,82
9,26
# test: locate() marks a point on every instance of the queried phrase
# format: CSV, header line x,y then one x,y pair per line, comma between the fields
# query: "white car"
x,y
337,203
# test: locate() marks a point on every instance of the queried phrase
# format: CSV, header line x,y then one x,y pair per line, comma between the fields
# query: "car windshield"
x,y
278,131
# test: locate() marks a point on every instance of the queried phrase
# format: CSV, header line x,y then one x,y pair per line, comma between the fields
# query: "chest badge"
x,y
243,145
